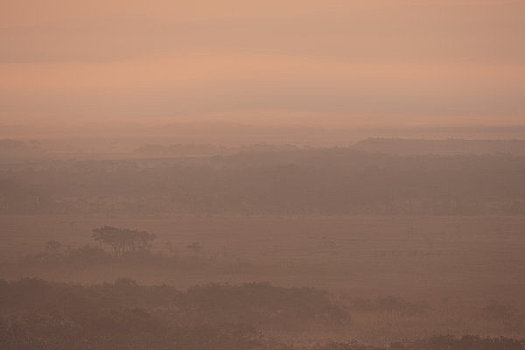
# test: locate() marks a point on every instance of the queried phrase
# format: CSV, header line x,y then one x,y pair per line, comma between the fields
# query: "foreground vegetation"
x,y
390,275
36,314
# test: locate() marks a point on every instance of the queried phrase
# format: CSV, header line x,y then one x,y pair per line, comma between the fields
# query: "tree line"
x,y
310,181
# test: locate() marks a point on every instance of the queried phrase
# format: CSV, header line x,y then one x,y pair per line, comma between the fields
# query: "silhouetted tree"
x,y
122,241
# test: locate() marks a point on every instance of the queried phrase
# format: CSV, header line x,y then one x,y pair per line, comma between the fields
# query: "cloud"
x,y
200,84
420,59
424,31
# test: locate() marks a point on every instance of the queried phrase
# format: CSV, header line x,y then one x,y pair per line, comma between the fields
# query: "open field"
x,y
448,269
482,256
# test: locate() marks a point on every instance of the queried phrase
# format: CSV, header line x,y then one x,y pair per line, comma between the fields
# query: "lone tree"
x,y
122,241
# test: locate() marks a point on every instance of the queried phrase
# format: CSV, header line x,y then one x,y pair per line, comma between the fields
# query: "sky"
x,y
330,62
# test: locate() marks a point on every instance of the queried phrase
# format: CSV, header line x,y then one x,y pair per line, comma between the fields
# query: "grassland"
x,y
359,254
450,267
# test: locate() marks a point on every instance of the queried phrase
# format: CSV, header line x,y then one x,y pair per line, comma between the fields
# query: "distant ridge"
x,y
442,147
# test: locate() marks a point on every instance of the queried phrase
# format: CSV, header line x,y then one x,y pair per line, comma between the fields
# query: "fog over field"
x,y
279,175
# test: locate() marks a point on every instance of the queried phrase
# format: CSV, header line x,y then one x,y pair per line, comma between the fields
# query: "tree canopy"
x,y
122,241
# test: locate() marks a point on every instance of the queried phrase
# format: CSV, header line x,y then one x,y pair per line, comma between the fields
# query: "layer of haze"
x,y
351,63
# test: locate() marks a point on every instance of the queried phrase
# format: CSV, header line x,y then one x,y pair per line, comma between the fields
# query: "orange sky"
x,y
343,62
